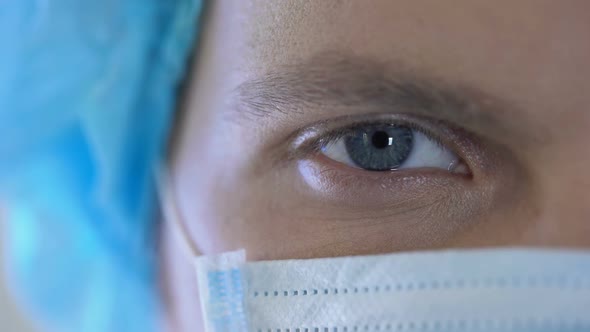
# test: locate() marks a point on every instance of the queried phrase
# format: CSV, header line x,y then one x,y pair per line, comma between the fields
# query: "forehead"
x,y
278,30
518,50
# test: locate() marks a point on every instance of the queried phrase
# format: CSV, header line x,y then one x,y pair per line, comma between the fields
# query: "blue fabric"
x,y
87,92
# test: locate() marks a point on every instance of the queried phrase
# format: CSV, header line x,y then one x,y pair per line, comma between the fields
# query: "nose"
x,y
560,198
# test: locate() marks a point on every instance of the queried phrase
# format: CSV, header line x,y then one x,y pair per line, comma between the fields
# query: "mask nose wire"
x,y
171,213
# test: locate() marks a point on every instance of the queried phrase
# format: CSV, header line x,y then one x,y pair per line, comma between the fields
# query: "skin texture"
x,y
503,85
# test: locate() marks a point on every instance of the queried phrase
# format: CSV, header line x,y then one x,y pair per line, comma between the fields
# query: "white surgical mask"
x,y
513,289
471,290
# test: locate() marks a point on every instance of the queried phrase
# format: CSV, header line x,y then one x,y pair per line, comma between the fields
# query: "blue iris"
x,y
380,147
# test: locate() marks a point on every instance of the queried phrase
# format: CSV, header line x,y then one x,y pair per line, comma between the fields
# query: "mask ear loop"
x,y
171,214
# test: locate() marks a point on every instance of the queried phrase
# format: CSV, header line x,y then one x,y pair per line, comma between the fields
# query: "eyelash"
x,y
330,131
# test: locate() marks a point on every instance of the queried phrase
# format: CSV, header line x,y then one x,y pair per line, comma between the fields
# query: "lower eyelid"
x,y
328,165
349,186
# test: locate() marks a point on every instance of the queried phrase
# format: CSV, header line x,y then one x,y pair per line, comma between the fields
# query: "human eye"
x,y
390,146
385,143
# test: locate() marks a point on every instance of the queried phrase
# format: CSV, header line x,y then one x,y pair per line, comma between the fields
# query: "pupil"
x,y
380,140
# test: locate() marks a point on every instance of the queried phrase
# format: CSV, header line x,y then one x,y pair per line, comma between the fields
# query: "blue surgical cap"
x,y
87,94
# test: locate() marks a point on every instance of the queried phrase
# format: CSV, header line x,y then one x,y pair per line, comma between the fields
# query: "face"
x,y
330,128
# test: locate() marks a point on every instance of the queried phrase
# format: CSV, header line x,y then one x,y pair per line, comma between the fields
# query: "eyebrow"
x,y
329,81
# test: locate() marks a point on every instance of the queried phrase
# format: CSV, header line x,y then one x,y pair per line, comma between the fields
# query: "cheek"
x,y
279,216
226,213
